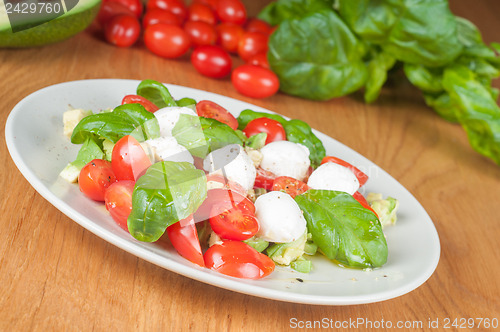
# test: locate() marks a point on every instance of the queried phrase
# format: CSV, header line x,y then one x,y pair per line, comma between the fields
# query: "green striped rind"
x,y
53,31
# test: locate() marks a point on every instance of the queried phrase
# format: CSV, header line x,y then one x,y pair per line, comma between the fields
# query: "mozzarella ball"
x,y
168,116
166,149
285,158
332,176
232,161
280,218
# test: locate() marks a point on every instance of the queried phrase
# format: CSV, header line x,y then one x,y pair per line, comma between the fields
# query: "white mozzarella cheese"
x,y
168,116
285,158
332,176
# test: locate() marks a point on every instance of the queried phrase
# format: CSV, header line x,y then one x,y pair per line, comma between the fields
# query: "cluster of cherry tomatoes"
x,y
213,29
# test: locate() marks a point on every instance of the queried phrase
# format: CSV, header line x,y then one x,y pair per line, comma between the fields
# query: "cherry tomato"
x,y
201,12
128,159
362,200
259,59
258,25
362,177
238,259
209,109
95,178
135,6
201,33
216,181
274,129
122,30
289,185
184,238
252,43
227,199
229,35
118,200
211,61
175,6
254,81
166,40
109,9
233,223
211,3
135,99
157,15
232,11
264,179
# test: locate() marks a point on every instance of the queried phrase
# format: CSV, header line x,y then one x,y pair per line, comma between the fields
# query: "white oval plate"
x,y
34,135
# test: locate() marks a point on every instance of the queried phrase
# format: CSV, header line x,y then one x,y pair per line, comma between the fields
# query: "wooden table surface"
x,y
55,275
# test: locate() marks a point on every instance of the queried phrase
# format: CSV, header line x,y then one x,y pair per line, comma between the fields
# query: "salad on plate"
x,y
236,195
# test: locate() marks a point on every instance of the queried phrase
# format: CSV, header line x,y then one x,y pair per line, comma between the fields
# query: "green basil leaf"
x,y
343,229
281,10
317,57
128,119
218,134
166,193
156,92
248,115
378,66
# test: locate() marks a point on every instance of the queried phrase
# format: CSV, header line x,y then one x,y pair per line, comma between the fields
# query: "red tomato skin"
x,y
274,129
128,159
157,15
211,61
237,259
175,6
264,179
229,35
201,12
259,59
362,200
200,33
254,81
252,43
232,11
122,30
362,177
184,238
118,201
95,178
227,184
209,109
258,25
211,3
167,40
233,223
226,199
135,99
289,185
135,6
109,9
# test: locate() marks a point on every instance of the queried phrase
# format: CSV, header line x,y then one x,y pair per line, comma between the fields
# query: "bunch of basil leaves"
x,y
324,49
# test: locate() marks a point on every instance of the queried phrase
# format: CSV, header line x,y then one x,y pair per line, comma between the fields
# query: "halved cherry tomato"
x,y
259,59
234,223
264,179
118,201
135,6
201,33
238,259
254,81
201,12
362,200
274,129
167,40
252,43
216,181
128,159
184,238
289,185
109,9
211,61
229,35
157,15
135,99
209,109
226,199
122,30
175,6
258,25
95,178
362,177
232,11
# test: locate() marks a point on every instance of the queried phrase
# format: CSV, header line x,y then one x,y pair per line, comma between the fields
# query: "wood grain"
x,y
55,275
